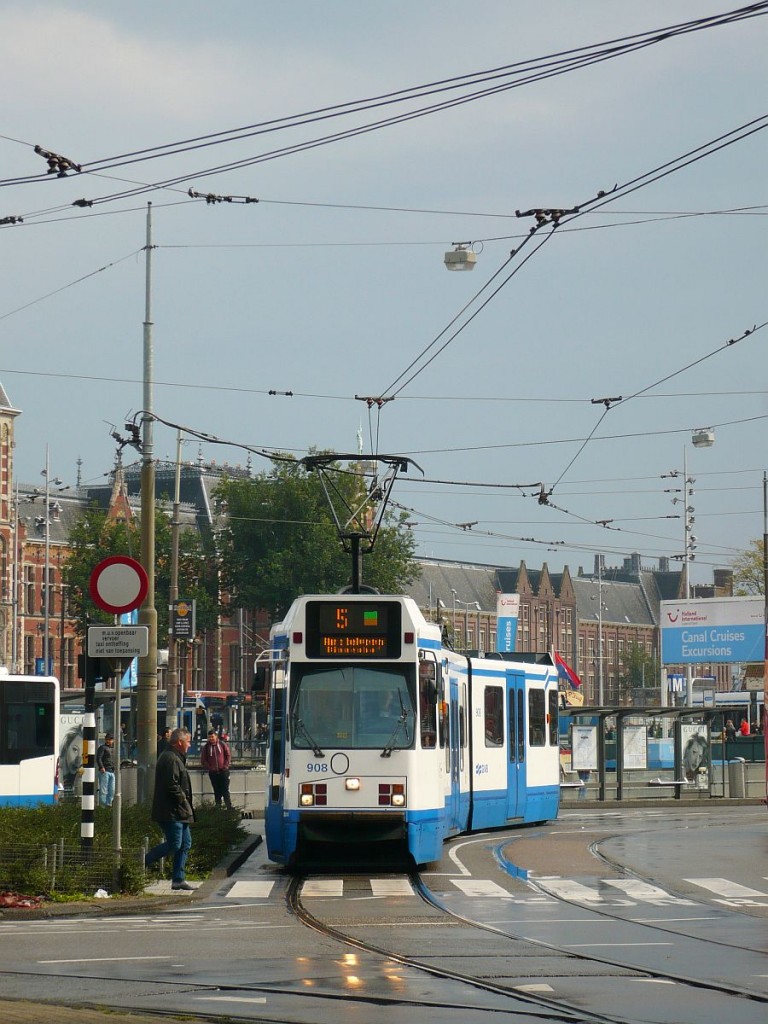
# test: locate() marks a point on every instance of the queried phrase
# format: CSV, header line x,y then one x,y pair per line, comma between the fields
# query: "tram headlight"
x,y
353,785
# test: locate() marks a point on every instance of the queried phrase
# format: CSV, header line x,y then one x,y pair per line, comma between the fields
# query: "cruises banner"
x,y
507,612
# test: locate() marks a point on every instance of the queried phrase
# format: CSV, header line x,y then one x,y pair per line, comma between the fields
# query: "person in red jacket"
x,y
744,727
215,758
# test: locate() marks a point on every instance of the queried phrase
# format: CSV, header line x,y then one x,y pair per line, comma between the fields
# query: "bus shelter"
x,y
644,739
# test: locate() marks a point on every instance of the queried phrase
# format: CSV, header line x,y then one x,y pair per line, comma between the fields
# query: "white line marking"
x,y
533,988
234,999
669,920
103,959
587,945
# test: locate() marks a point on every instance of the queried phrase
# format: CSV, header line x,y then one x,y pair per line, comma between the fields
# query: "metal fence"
x,y
65,868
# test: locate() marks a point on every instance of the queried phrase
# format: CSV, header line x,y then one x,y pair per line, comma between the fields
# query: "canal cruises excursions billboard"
x,y
727,629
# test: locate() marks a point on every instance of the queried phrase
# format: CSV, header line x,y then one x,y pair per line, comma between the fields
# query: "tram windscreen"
x,y
352,707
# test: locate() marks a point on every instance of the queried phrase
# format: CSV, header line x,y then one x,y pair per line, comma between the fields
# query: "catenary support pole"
x,y
146,696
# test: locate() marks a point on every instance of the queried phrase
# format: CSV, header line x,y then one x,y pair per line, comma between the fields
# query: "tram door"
x,y
455,755
516,762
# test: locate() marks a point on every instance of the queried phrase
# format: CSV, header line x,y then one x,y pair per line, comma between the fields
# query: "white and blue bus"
x,y
29,740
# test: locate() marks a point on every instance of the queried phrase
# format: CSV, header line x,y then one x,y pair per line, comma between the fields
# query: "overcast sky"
x,y
333,283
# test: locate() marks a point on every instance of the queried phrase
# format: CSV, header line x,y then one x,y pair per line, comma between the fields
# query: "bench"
x,y
565,784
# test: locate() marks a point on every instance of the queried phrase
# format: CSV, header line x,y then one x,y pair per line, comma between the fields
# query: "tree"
x,y
748,572
280,540
96,536
638,670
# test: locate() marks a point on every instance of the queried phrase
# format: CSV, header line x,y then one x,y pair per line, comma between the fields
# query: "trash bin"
x,y
737,788
128,784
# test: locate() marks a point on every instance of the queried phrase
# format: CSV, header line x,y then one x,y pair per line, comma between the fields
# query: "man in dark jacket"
x,y
215,757
105,763
172,807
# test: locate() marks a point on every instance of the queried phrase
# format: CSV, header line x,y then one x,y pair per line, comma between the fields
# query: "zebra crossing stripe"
x,y
258,890
727,889
644,892
391,887
480,887
562,888
568,889
316,887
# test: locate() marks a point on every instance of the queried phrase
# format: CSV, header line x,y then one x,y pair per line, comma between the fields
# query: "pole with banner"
x,y
507,614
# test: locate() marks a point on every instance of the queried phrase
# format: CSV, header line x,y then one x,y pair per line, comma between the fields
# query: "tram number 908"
x,y
317,766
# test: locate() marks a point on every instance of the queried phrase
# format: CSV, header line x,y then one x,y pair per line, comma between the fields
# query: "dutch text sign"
x,y
118,641
728,629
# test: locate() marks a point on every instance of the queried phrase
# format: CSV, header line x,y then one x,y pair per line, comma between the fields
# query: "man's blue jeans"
x,y
106,788
178,841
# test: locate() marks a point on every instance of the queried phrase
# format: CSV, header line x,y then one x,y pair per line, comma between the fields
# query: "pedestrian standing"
x,y
105,764
163,739
172,808
216,758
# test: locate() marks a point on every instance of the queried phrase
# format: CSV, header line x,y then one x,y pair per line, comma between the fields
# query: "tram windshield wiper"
x,y
301,730
402,721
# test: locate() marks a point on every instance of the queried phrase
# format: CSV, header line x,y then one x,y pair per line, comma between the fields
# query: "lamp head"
x,y
460,258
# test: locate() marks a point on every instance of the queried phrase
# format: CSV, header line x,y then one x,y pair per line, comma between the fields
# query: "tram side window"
x,y
536,718
554,733
442,724
520,725
494,716
428,702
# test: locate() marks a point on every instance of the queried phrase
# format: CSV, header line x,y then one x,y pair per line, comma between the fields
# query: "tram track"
x,y
519,1002
548,1008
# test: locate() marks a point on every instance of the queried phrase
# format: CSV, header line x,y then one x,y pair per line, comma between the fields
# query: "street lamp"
x,y
703,437
46,570
461,257
467,605
600,608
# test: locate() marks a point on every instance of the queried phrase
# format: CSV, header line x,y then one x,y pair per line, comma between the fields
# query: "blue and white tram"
x,y
29,740
380,736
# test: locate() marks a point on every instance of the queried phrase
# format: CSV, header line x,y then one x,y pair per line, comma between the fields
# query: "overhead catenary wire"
x,y
536,69
615,403
554,218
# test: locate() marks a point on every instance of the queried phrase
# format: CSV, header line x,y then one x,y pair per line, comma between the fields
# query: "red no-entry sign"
x,y
118,584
